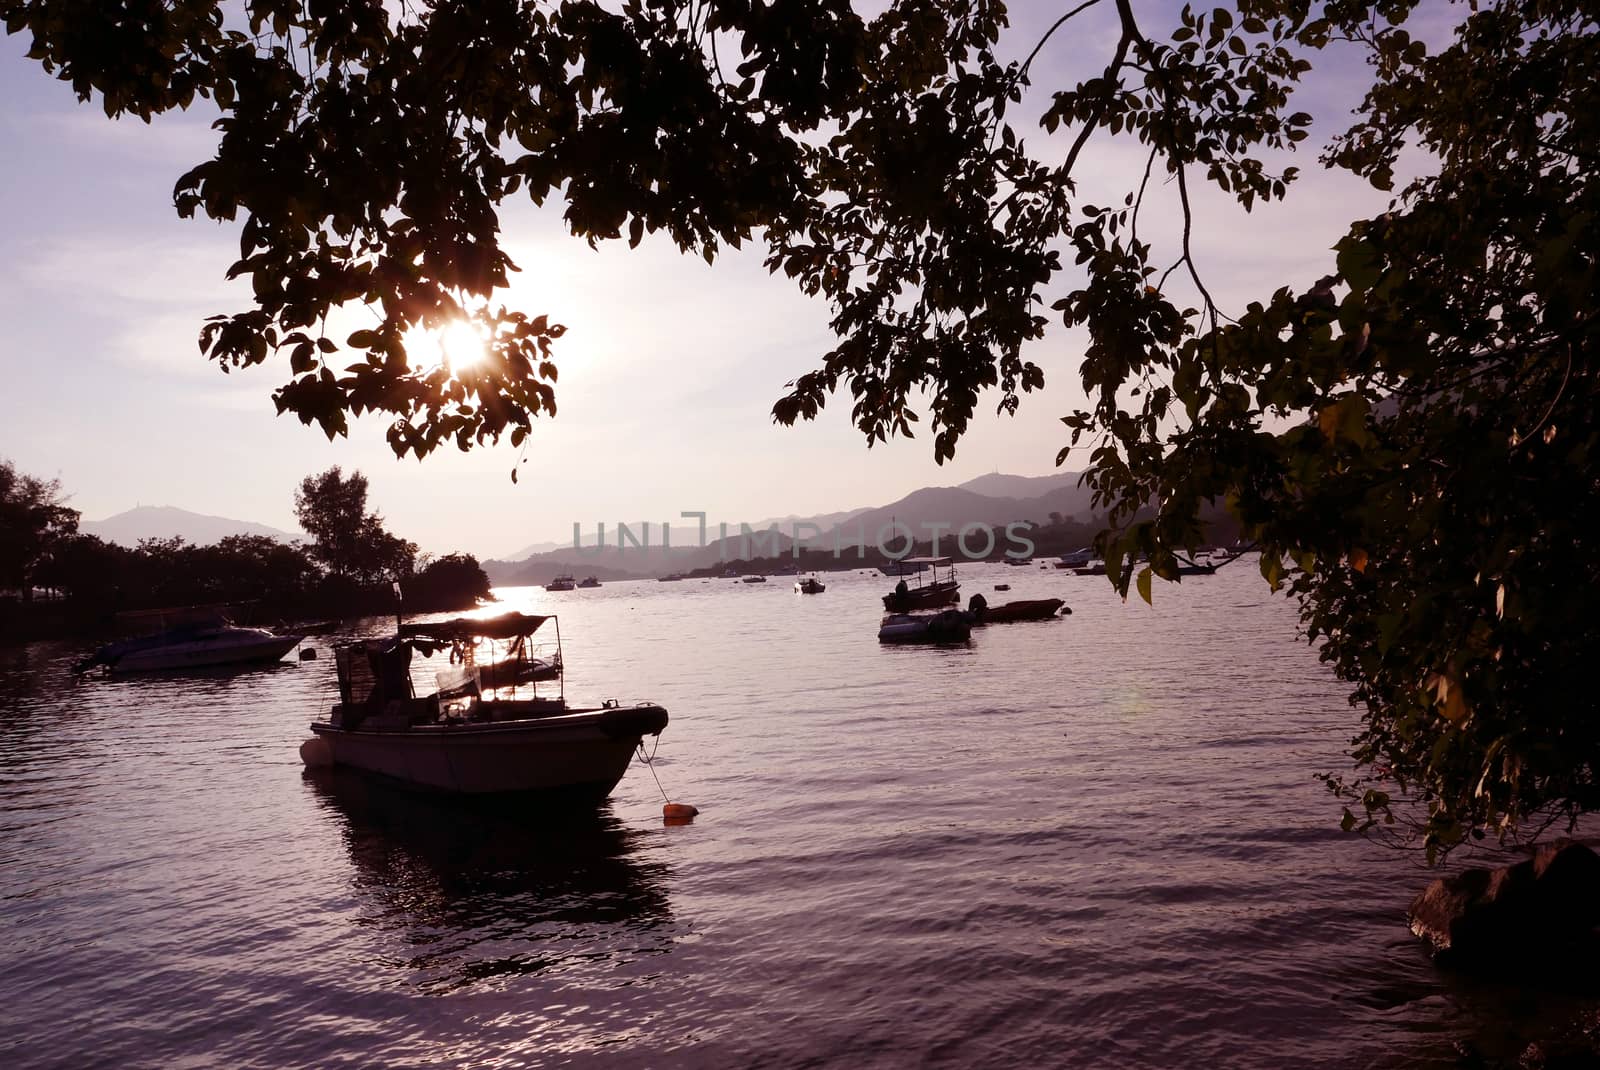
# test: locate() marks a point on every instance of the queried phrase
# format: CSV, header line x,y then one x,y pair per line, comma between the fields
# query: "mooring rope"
x,y
649,763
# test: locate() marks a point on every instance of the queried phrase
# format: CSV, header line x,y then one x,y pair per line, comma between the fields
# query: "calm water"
x,y
1092,842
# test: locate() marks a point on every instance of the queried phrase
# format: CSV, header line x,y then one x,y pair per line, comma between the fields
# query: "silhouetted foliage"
x,y
34,519
348,540
450,576
1432,499
277,579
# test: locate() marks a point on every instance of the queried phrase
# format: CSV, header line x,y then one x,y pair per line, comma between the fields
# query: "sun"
x,y
462,345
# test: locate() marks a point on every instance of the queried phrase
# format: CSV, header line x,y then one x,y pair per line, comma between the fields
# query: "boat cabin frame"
x,y
933,565
375,675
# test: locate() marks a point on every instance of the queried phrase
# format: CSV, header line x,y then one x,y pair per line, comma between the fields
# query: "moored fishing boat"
x,y
930,595
561,583
809,585
467,737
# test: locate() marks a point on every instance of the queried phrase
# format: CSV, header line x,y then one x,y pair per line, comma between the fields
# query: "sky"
x,y
669,367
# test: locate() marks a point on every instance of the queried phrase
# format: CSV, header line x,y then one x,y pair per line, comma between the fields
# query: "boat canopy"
x,y
505,626
937,562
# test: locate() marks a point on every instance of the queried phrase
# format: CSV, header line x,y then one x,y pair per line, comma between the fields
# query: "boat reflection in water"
x,y
482,890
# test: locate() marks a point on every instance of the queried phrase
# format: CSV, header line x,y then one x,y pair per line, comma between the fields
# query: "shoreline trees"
x,y
34,521
99,579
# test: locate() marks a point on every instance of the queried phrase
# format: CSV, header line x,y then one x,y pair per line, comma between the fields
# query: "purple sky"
x,y
668,370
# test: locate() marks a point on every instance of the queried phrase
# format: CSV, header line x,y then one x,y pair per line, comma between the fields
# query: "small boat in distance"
x,y
930,595
755,579
810,585
560,583
672,577
1077,559
1019,561
465,738
589,581
946,626
200,645
907,566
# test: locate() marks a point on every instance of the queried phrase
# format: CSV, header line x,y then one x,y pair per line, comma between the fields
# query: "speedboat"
x,y
930,595
810,585
589,581
1012,612
672,577
1076,560
479,732
560,583
946,626
755,579
192,646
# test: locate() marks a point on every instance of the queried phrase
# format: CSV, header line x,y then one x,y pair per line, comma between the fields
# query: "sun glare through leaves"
x,y
457,347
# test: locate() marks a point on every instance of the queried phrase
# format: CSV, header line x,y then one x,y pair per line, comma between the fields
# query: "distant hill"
x,y
955,506
685,536
534,548
951,506
1000,485
166,521
633,563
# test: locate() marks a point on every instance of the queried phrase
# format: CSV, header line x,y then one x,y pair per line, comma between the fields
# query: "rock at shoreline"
x,y
1540,908
1577,1047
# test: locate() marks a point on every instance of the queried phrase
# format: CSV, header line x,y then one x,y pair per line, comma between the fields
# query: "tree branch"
x,y
1022,72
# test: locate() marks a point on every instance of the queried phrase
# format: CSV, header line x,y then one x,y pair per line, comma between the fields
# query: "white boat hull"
x,y
582,753
203,654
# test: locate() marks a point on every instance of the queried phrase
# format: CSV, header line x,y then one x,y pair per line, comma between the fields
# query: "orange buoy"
x,y
679,812
316,753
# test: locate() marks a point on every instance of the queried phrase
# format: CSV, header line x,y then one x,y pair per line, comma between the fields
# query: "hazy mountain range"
x,y
681,534
165,522
996,499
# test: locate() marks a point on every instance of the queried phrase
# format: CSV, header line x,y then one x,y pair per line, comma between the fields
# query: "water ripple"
x,y
1089,842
